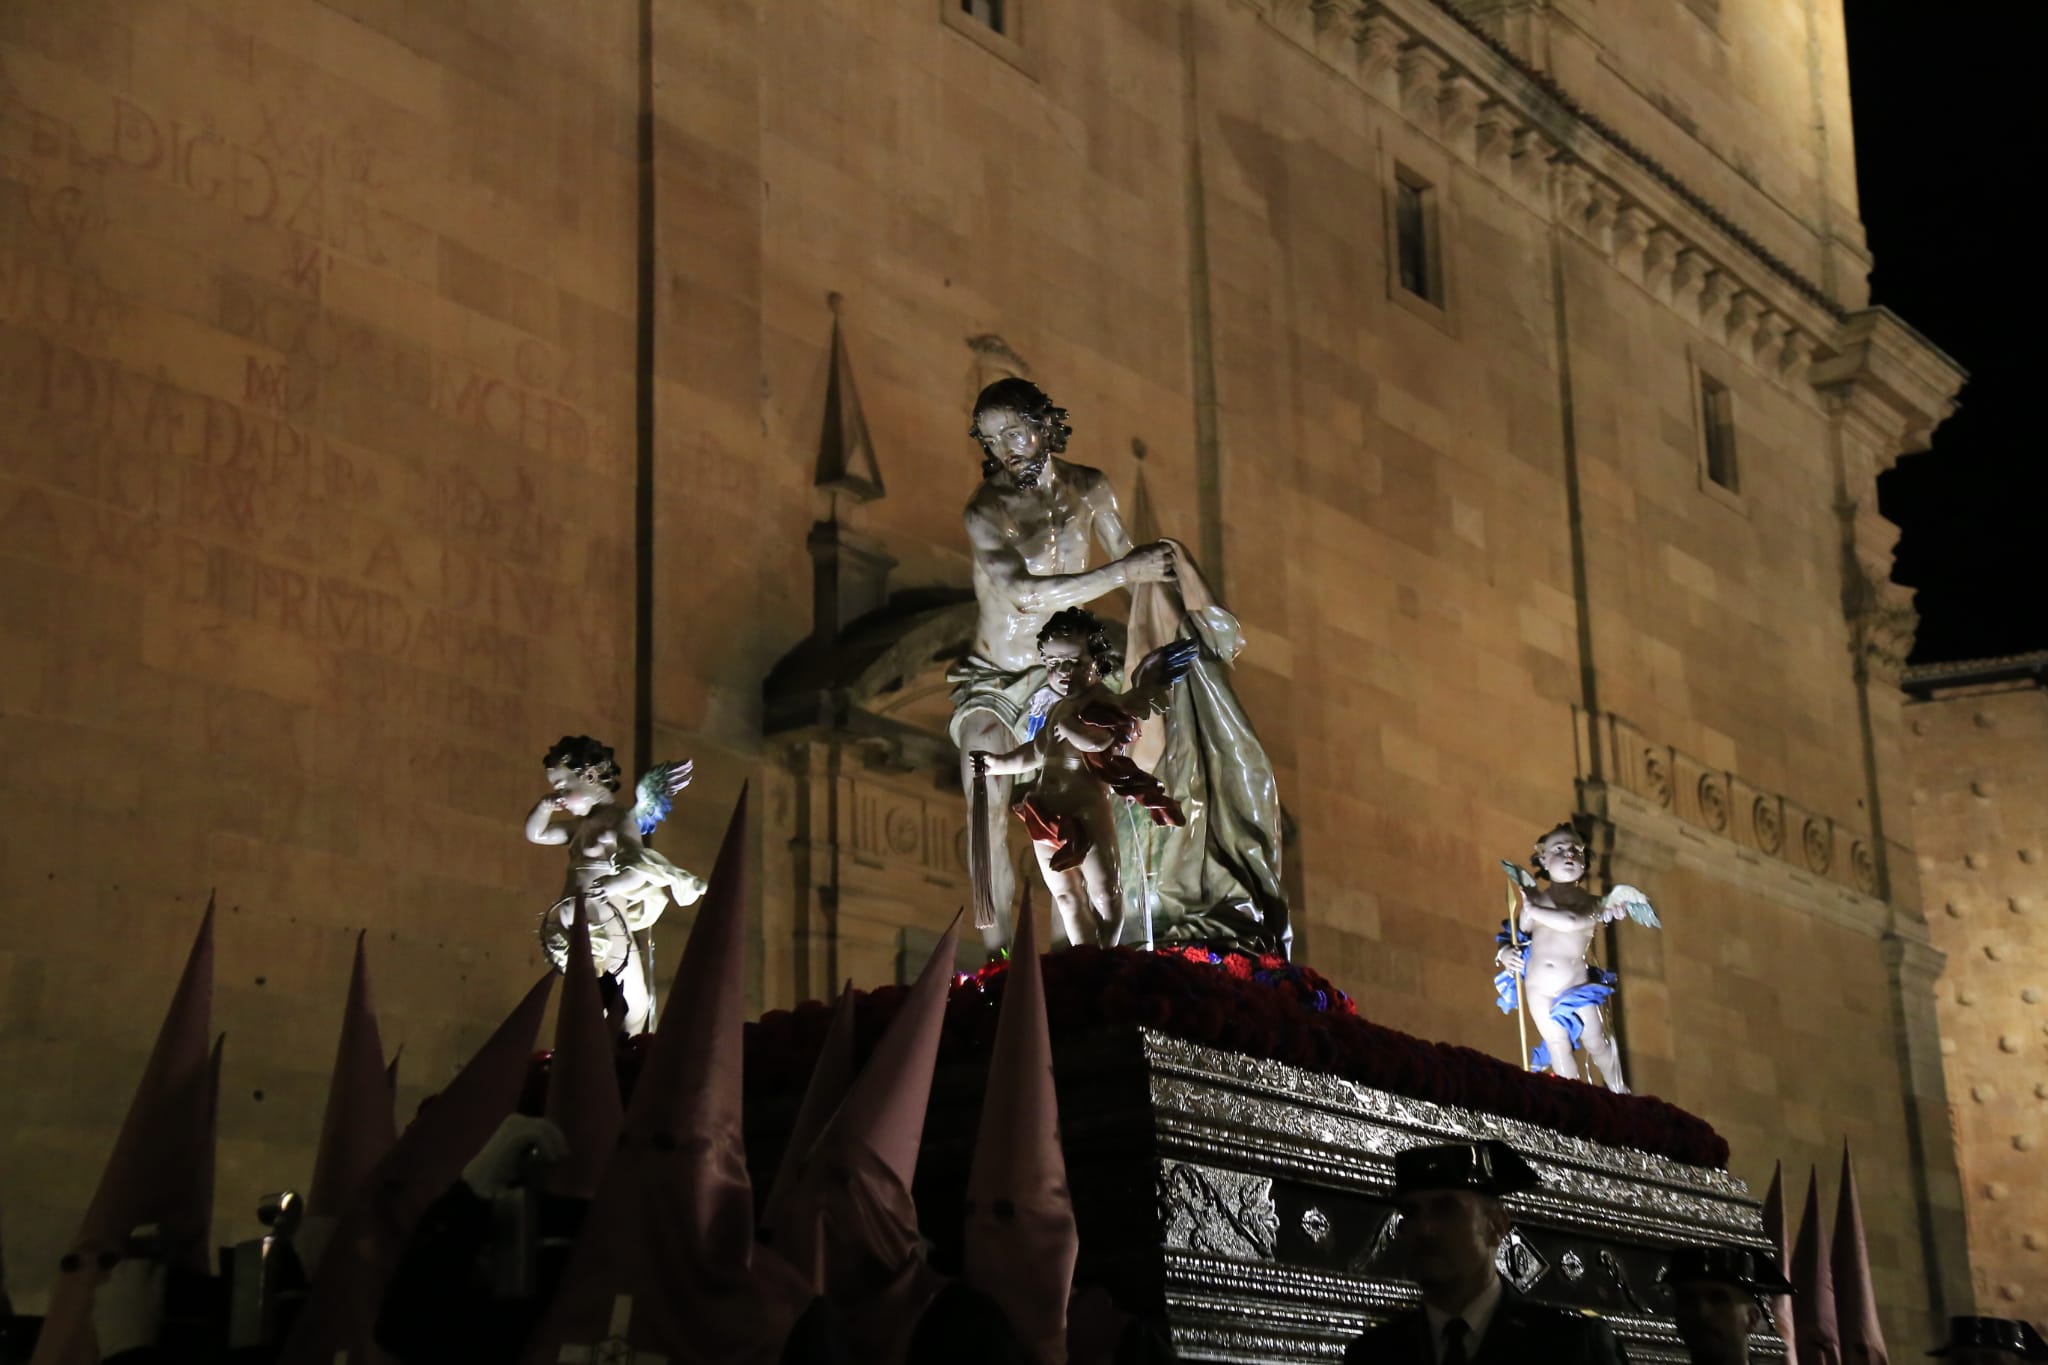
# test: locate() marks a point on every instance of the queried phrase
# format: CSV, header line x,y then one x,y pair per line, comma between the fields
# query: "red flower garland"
x,y
1264,1007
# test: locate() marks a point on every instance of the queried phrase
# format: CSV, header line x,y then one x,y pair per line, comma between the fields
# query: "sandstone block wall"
x,y
316,348
318,326
1980,765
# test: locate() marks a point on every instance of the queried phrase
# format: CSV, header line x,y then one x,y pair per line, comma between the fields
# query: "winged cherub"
x,y
1079,732
1545,949
625,884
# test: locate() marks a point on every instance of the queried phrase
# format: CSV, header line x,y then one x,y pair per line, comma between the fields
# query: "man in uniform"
x,y
1716,1293
1991,1341
1452,1225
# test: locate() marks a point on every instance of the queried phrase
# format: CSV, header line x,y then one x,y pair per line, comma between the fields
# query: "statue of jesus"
x,y
1031,526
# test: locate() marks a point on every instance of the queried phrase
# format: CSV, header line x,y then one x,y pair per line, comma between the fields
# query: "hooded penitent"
x,y
1781,1243
348,1287
583,1077
1021,1243
357,1131
850,1210
161,1168
1813,1287
1862,1340
666,1262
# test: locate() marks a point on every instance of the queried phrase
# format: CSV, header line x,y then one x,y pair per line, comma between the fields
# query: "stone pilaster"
x,y
1887,388
1914,966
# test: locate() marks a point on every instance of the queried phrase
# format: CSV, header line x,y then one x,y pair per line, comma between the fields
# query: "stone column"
x,y
1887,388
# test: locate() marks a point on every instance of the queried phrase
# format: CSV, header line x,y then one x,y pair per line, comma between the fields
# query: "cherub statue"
x,y
1544,947
625,884
1079,731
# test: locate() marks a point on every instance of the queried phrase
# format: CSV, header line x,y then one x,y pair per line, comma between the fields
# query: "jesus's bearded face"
x,y
1016,443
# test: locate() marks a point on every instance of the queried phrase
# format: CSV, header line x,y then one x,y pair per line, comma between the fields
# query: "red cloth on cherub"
x,y
1115,770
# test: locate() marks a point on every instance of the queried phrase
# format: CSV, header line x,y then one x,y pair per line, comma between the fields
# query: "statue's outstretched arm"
x,y
540,825
1026,757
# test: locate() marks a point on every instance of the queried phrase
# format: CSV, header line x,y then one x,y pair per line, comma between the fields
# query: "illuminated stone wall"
x,y
316,358
318,327
1980,766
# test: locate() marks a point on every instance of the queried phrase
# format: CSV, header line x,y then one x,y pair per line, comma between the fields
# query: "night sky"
x,y
1949,148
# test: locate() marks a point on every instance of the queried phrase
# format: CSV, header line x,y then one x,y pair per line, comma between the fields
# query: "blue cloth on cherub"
x,y
1593,992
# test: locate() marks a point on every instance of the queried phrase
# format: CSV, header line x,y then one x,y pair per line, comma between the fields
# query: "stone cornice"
x,y
1924,680
1516,125
1647,834
1890,377
1667,806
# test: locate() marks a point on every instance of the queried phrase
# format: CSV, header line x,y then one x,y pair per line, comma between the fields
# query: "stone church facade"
x,y
389,389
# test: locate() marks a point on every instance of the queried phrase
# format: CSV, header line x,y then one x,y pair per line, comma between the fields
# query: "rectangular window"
x,y
1415,246
985,12
1717,431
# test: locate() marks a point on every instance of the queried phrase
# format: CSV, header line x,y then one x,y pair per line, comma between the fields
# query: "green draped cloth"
x,y
1218,877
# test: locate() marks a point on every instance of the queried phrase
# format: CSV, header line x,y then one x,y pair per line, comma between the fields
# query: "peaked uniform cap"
x,y
1740,1266
358,1128
161,1168
1490,1167
1994,1334
583,1077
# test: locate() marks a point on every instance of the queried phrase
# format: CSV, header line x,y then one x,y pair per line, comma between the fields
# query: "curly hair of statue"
x,y
582,754
1078,623
1026,400
1570,827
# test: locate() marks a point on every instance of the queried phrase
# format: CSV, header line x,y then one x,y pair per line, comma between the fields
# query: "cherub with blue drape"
x,y
1544,952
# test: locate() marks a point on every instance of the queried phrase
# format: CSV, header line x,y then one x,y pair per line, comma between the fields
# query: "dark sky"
x,y
1949,148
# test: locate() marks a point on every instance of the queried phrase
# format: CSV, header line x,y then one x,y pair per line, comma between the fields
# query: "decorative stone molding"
x,y
1771,330
1493,135
1631,238
1892,383
1886,388
1457,105
1882,621
1506,118
1660,252
1666,804
1745,310
1717,288
1422,71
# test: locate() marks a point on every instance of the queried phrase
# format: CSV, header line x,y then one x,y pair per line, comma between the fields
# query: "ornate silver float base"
x,y
1248,1202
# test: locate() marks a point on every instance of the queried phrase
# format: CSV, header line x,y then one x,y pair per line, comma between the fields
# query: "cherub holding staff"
x,y
1544,947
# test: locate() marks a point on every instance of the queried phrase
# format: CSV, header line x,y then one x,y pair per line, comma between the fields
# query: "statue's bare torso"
x,y
1022,534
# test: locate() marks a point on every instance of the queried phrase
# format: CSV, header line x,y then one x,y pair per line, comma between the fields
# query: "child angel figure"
x,y
624,884
1080,733
1544,952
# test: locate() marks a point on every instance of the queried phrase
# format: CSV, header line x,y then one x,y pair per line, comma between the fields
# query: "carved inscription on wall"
x,y
887,824
1721,803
